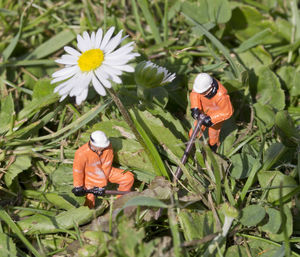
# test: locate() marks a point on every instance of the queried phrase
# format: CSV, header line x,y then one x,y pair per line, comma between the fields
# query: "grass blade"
x,y
137,18
153,154
150,20
53,44
7,219
253,41
216,172
217,44
165,22
13,43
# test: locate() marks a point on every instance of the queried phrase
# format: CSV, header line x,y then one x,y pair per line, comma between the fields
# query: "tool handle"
x,y
190,144
102,191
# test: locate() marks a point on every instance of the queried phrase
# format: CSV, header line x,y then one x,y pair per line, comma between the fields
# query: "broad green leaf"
x,y
196,225
256,58
52,45
62,178
242,165
272,155
62,201
271,181
257,246
236,251
287,222
43,224
247,21
265,114
22,162
290,77
6,113
252,215
7,246
164,129
284,28
267,89
204,11
288,133
145,201
42,89
274,221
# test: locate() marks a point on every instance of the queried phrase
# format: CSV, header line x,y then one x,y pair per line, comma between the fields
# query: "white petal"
x,y
81,85
110,70
60,86
82,96
103,78
98,86
127,68
60,78
81,44
107,37
67,88
93,38
87,40
98,39
67,59
123,50
71,83
63,97
69,70
113,43
113,62
72,51
124,38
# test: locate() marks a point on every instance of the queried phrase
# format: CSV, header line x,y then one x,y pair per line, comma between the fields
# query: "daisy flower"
x,y
150,75
98,61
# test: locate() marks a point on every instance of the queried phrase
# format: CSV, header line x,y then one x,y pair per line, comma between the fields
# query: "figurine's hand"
x,y
195,113
207,121
98,191
78,191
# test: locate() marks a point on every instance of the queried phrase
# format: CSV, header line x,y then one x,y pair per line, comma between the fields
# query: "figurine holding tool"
x,y
209,97
92,169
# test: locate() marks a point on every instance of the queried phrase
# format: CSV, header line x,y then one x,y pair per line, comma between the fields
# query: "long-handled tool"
x,y
190,144
100,191
178,172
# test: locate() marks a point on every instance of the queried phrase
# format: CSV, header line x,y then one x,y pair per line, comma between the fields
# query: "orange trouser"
x,y
118,176
213,133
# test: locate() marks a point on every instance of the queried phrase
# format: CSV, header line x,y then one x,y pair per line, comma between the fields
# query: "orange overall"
x,y
219,109
92,169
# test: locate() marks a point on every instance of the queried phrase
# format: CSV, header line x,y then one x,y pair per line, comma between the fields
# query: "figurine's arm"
x,y
106,160
78,170
195,100
225,111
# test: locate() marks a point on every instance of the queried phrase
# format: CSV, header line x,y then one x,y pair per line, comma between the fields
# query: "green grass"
x,y
251,47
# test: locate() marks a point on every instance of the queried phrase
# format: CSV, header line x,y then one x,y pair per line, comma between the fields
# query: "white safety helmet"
x,y
99,139
202,83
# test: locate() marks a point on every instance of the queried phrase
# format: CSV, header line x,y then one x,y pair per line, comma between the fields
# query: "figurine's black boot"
x,y
213,147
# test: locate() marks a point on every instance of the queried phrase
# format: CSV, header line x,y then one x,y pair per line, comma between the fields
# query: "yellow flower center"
x,y
90,60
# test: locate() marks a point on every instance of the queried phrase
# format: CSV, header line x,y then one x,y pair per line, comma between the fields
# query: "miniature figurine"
x,y
210,97
92,168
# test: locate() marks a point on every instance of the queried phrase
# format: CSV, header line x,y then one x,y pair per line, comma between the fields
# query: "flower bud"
x,y
150,75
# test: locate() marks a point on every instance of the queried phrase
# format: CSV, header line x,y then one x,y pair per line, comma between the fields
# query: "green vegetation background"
x,y
252,47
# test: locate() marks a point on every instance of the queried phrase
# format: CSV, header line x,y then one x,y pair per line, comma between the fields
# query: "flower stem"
x,y
126,116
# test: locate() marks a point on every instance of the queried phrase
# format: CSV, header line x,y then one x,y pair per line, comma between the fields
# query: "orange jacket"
x,y
219,107
91,169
